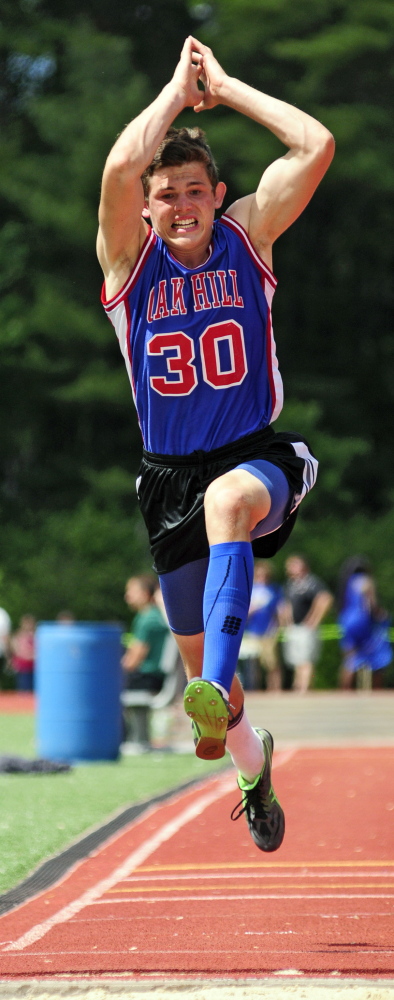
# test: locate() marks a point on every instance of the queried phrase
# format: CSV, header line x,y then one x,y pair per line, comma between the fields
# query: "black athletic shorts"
x,y
171,491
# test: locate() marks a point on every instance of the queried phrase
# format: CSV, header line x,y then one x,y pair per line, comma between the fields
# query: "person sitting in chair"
x,y
141,661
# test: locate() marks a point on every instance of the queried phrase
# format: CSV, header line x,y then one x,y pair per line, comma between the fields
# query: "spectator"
x,y
5,629
365,642
141,661
22,653
65,617
306,602
262,623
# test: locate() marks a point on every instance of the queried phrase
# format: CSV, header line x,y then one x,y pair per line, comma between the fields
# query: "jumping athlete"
x,y
190,300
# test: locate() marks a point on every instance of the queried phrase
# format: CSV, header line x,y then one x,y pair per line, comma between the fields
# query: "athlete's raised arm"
x,y
121,228
290,181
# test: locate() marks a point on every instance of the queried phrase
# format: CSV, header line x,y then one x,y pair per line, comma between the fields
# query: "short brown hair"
x,y
182,145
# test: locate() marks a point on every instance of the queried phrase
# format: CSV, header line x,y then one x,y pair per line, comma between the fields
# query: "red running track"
x,y
182,890
17,702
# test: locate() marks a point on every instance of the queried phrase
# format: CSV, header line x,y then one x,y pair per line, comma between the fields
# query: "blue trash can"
x,y
78,685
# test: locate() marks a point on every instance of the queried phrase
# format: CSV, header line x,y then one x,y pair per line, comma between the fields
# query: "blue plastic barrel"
x,y
78,685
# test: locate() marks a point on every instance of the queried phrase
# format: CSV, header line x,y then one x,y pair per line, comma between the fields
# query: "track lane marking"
x,y
189,916
307,895
332,885
251,875
202,951
228,865
136,858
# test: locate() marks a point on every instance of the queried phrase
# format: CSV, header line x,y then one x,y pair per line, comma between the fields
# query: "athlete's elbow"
x,y
319,151
118,167
123,163
325,146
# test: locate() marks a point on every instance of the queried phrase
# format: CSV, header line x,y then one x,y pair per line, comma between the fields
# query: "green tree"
x,y
71,76
333,319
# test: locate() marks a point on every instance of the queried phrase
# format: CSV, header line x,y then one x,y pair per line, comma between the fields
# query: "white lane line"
x,y
190,916
240,899
134,859
272,865
332,885
149,812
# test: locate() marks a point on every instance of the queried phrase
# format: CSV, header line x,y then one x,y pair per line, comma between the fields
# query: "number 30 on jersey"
x,y
212,366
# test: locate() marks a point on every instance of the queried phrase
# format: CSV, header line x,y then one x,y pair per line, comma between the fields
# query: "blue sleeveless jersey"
x,y
198,343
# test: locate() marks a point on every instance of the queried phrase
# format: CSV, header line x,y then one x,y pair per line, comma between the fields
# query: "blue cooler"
x,y
78,685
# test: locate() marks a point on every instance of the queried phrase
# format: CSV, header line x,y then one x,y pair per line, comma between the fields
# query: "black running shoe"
x,y
264,813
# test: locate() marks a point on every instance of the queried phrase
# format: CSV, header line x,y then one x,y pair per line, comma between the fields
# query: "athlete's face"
x,y
181,205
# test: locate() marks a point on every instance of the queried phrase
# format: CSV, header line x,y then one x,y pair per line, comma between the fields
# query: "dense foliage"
x,y
71,76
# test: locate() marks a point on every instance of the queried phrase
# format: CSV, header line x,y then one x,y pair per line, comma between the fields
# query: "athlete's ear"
x,y
145,212
220,192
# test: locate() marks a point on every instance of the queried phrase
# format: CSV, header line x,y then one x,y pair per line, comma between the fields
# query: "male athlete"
x,y
190,300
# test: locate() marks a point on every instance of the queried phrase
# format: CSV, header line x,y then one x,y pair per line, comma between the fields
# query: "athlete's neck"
x,y
191,258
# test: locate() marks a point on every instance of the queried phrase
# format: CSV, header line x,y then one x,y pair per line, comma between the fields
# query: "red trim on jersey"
x,y
270,370
130,282
243,235
129,353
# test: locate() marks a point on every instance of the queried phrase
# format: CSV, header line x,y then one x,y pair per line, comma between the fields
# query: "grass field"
x,y
41,814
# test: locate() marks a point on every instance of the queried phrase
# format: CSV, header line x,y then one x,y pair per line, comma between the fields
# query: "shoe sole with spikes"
x,y
209,714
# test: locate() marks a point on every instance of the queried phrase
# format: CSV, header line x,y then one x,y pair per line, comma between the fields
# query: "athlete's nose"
x,y
181,202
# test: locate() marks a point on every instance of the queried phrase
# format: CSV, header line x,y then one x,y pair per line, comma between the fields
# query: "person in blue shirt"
x,y
190,300
262,626
364,624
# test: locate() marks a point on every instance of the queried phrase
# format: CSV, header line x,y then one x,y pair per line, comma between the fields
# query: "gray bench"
x,y
138,705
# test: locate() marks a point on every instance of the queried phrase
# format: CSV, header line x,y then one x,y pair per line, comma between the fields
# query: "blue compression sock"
x,y
226,604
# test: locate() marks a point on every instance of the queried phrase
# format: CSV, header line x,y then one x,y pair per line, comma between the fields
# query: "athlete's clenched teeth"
x,y
184,223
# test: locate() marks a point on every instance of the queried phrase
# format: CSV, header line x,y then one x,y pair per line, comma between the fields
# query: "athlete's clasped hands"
x,y
197,63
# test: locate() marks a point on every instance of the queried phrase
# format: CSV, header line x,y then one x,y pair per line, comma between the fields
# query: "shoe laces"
x,y
258,798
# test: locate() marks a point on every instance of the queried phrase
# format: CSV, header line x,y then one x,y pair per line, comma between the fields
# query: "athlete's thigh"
x,y
274,481
237,486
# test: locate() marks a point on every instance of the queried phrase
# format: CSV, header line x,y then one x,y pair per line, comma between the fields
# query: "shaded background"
x,y
71,76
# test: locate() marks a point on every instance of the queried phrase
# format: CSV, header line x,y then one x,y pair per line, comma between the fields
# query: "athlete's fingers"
x,y
198,46
189,50
188,54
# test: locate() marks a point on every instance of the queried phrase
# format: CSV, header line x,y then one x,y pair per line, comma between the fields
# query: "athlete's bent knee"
x,y
226,501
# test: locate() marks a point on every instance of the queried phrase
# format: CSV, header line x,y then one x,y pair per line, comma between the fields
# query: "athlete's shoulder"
x,y
150,246
238,239
246,213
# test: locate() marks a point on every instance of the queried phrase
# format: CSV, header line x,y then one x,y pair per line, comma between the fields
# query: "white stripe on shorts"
x,y
310,470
